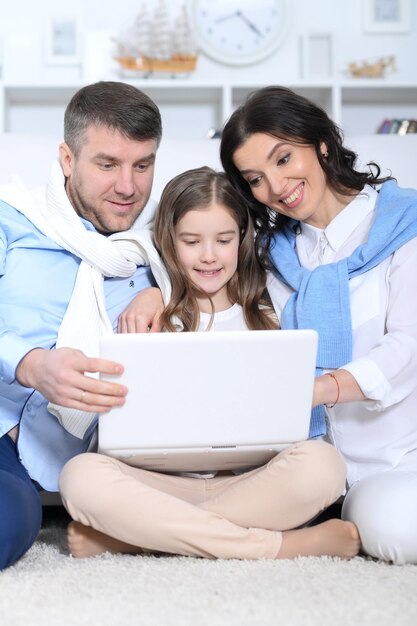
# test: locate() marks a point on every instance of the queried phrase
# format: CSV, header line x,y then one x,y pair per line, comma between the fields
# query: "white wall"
x,y
23,28
26,21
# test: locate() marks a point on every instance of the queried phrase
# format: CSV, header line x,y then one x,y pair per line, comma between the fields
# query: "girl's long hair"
x,y
281,113
198,189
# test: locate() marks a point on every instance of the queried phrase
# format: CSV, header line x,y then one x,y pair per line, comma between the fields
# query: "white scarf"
x,y
85,319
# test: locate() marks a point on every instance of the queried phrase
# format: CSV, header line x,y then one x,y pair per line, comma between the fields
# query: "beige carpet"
x,y
50,588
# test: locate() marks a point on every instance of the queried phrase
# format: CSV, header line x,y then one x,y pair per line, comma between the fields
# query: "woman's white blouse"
x,y
376,433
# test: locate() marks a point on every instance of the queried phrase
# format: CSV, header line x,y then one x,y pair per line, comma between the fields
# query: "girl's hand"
x,y
143,313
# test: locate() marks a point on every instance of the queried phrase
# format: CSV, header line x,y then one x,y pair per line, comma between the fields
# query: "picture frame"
x,y
316,55
63,41
386,16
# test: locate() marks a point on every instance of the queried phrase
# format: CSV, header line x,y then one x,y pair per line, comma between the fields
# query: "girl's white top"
x,y
230,319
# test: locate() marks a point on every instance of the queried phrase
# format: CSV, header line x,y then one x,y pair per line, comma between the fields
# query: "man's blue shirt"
x,y
36,281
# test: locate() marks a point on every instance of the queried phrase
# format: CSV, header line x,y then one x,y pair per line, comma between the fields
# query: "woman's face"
x,y
288,178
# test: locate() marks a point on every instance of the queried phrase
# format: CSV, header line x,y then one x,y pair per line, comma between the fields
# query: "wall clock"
x,y
239,32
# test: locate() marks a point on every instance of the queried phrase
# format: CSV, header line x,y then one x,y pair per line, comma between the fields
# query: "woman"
x,y
342,257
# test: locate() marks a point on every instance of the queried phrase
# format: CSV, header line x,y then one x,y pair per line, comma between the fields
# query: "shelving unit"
x,y
189,108
368,105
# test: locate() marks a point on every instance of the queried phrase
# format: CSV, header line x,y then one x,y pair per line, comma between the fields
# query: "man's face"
x,y
109,182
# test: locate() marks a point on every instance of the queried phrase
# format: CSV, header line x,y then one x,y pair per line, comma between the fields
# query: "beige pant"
x,y
223,517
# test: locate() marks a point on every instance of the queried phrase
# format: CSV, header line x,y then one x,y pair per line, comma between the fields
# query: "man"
x,y
54,252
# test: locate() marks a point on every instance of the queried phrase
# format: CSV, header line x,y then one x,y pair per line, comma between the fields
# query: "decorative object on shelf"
x,y
316,55
214,133
376,69
152,46
397,126
239,32
62,41
386,16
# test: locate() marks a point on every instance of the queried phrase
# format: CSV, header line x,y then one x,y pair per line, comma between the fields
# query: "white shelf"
x,y
189,108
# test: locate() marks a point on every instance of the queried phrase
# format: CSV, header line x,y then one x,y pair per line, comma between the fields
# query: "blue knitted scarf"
x,y
321,298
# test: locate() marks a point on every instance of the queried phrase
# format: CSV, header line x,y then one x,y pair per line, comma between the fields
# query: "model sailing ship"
x,y
152,46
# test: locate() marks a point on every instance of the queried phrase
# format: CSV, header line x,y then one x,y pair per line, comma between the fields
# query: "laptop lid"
x,y
209,400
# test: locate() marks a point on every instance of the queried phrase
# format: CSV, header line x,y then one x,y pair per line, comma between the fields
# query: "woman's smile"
x,y
294,199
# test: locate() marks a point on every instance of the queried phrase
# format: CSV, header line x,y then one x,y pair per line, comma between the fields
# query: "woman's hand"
x,y
143,314
343,389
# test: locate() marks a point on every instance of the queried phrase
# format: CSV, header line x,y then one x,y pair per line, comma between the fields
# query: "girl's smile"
x,y
207,243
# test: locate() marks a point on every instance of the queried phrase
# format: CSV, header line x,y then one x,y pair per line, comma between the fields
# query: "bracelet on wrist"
x,y
330,406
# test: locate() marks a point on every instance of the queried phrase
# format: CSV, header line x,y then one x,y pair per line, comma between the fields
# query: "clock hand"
x,y
227,17
249,23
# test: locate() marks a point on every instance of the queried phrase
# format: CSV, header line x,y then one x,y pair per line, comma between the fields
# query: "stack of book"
x,y
397,126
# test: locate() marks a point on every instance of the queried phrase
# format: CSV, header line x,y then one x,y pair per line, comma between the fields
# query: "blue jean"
x,y
20,506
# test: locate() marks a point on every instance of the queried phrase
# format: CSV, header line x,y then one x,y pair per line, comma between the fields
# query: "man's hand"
x,y
60,376
143,313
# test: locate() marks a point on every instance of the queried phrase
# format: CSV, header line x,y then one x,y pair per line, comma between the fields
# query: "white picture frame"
x,y
63,41
316,55
386,16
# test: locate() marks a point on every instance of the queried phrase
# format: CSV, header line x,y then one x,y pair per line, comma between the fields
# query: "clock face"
x,y
239,32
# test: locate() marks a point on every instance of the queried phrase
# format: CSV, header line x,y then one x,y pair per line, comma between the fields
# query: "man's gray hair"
x,y
114,105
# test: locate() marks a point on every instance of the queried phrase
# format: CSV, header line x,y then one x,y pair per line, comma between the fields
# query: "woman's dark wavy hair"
x,y
197,189
280,112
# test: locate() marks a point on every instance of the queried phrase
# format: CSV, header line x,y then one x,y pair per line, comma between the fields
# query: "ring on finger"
x,y
83,396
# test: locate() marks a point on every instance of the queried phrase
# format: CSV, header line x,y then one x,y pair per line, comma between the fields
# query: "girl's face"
x,y
207,243
288,179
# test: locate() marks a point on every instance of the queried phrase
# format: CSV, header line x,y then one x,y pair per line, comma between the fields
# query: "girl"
x,y
343,258
204,234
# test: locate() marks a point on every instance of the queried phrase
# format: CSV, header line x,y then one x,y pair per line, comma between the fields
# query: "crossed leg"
x,y
383,506
253,515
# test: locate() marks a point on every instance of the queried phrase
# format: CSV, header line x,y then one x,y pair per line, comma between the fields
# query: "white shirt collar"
x,y
343,225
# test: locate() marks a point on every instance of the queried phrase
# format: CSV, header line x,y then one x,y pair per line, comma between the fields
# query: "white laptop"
x,y
205,401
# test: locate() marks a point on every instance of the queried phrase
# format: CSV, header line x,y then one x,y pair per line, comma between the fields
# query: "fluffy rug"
x,y
50,588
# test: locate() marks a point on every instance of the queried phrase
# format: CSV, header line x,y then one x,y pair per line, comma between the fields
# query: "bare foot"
x,y
334,537
84,541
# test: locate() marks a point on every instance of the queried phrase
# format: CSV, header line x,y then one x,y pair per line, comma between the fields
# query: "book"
x,y
395,125
398,126
403,127
384,126
412,127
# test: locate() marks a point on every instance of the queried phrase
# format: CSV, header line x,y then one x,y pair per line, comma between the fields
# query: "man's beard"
x,y
88,212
